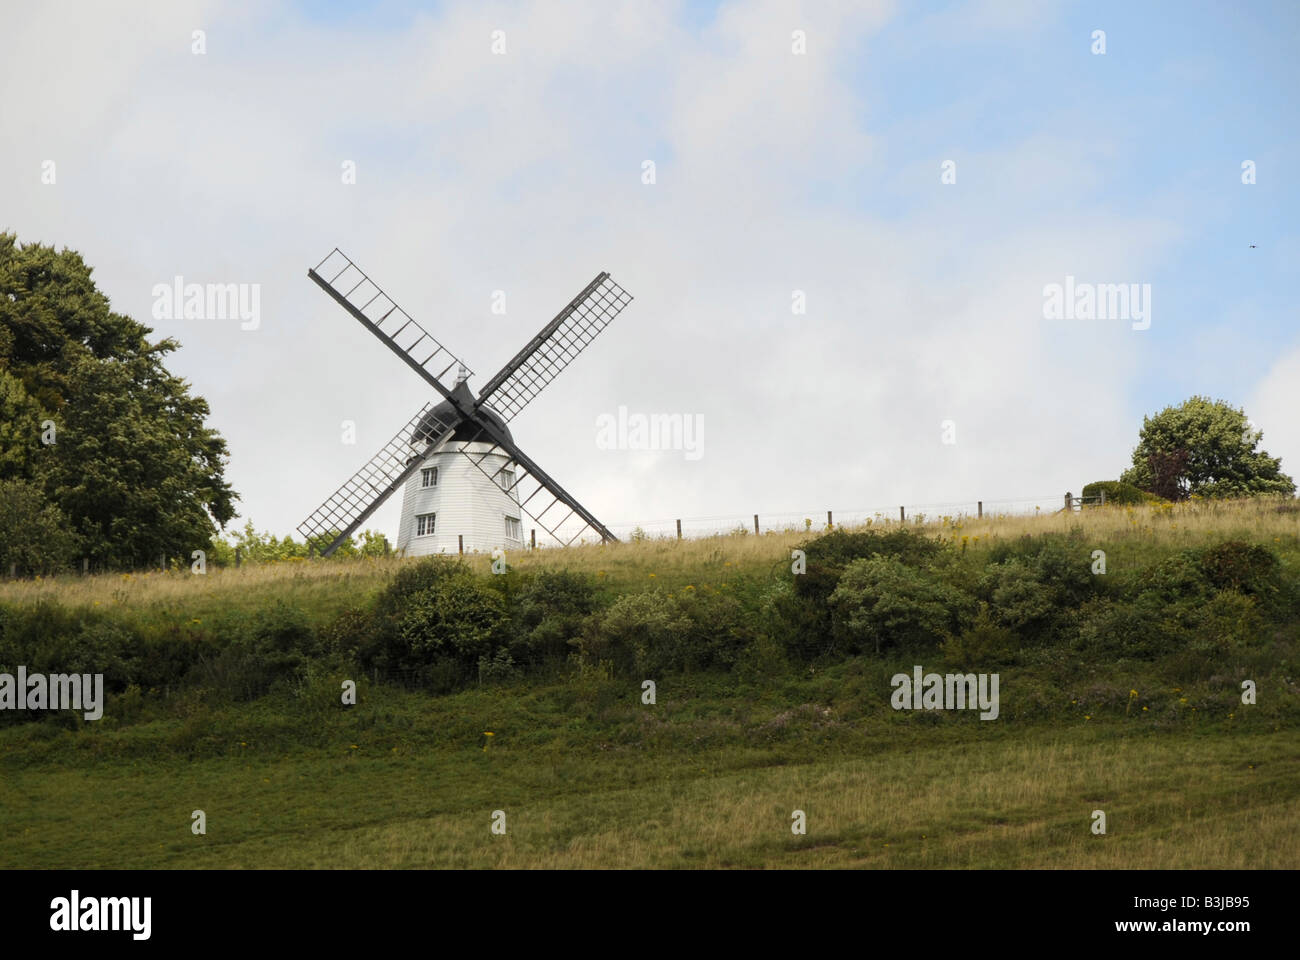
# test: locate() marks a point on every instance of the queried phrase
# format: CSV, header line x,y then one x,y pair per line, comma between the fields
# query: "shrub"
x,y
498,668
282,640
416,578
1118,492
761,661
1066,567
456,619
827,556
35,536
1034,582
721,626
548,614
272,646
645,632
1236,565
1019,599
1228,620
1178,577
47,638
1136,629
803,628
840,547
882,601
982,643
356,636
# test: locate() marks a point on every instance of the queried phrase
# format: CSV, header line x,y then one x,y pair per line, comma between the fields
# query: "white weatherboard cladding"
x,y
466,502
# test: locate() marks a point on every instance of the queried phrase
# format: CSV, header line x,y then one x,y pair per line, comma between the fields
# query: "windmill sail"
x,y
348,507
379,313
552,507
555,346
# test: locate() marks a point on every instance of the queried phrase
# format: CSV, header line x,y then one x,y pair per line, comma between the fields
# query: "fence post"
x,y
85,566
532,539
1069,500
13,571
460,540
902,515
1103,498
979,507
829,522
679,529
755,524
238,558
386,548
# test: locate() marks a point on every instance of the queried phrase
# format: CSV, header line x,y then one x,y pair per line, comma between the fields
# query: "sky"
x,y
922,370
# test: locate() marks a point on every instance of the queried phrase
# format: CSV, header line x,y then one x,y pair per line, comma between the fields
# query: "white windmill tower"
x,y
465,479
453,503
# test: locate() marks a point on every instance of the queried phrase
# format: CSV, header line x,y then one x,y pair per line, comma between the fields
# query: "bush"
x,y
47,638
457,619
881,601
282,640
1232,566
1034,583
827,556
1019,599
983,643
273,646
841,547
761,661
1175,578
722,625
1245,567
498,668
416,578
548,614
803,628
356,636
432,624
35,536
642,632
1228,620
1120,493
1136,630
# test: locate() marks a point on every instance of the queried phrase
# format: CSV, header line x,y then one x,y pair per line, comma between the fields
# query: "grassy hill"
x,y
1120,692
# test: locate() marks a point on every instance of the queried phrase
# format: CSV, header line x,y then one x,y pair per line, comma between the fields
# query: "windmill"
x,y
461,430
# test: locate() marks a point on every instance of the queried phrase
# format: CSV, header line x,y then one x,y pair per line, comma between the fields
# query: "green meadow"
x,y
1127,702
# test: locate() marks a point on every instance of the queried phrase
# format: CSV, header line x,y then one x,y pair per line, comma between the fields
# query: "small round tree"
x,y
1207,448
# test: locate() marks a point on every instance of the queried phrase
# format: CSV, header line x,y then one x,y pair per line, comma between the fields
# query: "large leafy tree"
x,y
34,535
132,465
1207,448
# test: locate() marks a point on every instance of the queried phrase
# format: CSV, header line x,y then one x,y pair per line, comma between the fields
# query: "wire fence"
x,y
692,528
821,518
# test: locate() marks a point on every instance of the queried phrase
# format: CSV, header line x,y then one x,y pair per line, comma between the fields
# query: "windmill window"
x,y
429,477
512,528
424,524
507,479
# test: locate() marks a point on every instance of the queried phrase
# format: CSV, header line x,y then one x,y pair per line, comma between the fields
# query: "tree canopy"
x,y
1205,448
91,417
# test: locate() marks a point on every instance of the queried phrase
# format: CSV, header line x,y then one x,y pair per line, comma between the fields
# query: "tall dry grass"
x,y
326,585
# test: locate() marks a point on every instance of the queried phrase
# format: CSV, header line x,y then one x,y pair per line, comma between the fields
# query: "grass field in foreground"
x,y
695,782
1022,802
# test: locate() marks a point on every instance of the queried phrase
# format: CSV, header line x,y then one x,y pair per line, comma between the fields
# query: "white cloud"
x,y
1273,409
522,173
